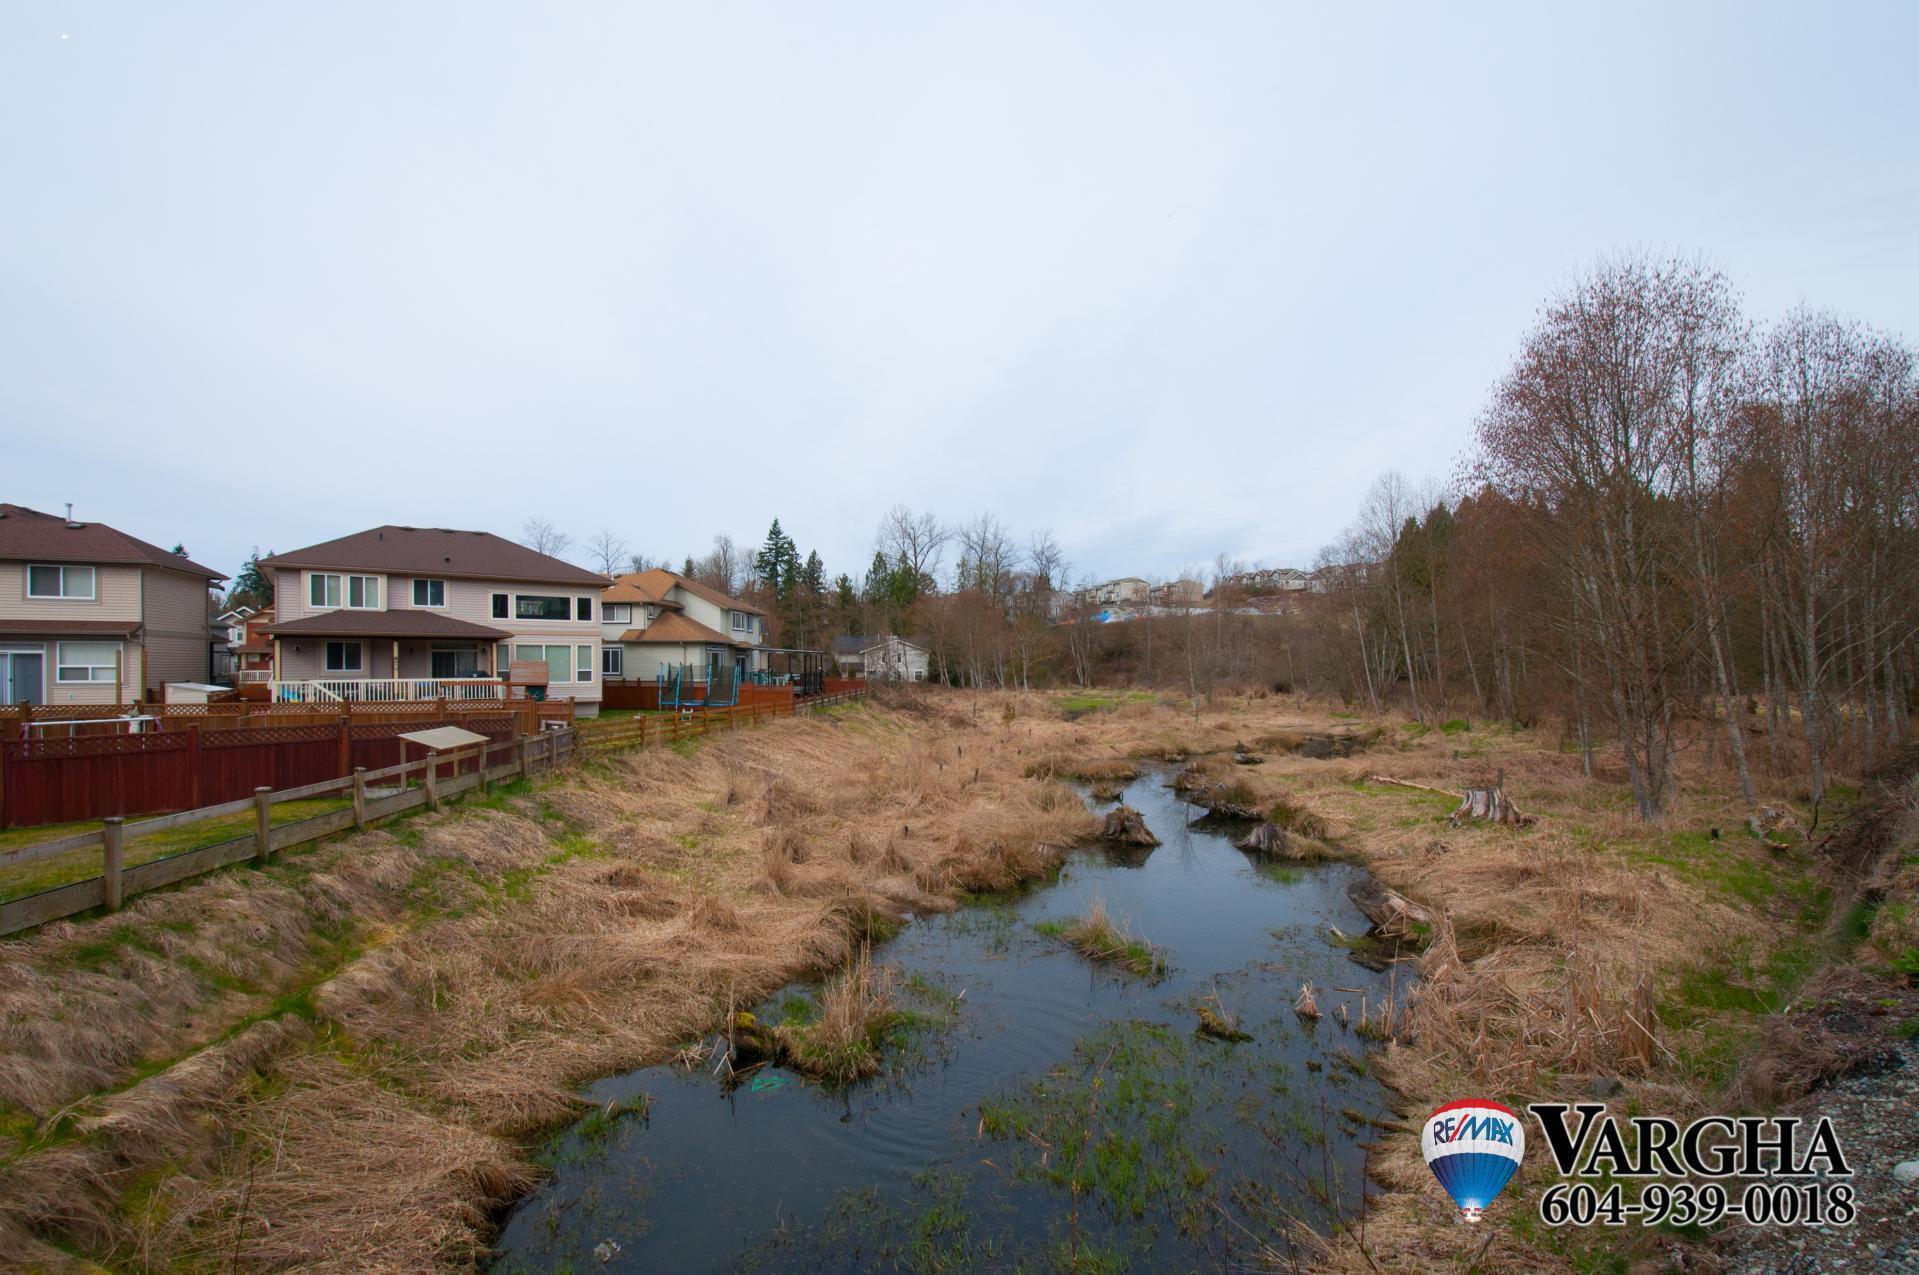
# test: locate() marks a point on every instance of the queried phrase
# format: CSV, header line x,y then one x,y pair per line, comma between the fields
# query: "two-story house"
x,y
420,612
92,615
658,619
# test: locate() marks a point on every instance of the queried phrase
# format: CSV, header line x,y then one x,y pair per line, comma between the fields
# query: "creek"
x,y
1041,1111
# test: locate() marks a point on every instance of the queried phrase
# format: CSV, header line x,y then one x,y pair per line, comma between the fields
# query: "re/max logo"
x,y
1492,1128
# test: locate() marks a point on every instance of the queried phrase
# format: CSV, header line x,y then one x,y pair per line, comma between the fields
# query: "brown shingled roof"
x,y
658,580
29,535
674,627
400,623
69,628
436,551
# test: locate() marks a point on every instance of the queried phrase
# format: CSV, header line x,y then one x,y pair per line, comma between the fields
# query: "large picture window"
x,y
61,582
559,660
535,606
85,661
345,657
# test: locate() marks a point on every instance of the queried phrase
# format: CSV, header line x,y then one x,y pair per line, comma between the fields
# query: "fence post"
x,y
433,781
359,798
346,742
113,837
525,742
193,767
262,823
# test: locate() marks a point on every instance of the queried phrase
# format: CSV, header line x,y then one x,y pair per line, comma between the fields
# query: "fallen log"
x,y
1390,911
1489,805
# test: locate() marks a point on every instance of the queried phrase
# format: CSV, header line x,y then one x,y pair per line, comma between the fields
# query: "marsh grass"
x,y
1098,937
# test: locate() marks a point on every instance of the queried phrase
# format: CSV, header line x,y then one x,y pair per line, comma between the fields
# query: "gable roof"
x,y
436,551
28,534
676,627
652,586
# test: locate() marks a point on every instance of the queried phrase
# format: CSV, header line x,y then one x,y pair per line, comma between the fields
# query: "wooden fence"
x,y
439,778
18,721
668,727
60,780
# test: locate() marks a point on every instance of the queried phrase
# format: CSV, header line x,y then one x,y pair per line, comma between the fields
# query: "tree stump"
x,y
1126,827
1268,839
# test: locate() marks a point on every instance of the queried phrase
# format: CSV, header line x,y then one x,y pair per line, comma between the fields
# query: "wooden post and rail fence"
x,y
375,796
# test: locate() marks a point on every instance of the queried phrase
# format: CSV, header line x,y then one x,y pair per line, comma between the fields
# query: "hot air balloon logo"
x,y
1473,1147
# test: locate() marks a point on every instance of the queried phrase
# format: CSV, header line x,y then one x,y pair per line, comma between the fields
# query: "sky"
x,y
1170,281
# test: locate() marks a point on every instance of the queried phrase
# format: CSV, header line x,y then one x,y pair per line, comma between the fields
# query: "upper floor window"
x,y
429,593
619,613
501,605
60,582
586,609
742,622
327,592
534,606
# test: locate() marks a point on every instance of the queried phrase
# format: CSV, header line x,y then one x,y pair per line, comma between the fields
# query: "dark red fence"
x,y
57,780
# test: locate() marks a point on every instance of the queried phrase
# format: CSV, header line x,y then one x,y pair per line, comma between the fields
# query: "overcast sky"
x,y
1171,280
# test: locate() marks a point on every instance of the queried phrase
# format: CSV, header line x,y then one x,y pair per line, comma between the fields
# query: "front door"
x,y
22,677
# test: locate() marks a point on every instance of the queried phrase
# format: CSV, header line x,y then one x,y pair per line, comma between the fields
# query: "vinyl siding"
x,y
116,589
178,645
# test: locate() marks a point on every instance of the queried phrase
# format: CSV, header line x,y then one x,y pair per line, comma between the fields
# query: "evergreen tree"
x,y
777,564
252,587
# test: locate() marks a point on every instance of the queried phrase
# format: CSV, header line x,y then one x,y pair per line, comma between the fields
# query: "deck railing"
x,y
379,690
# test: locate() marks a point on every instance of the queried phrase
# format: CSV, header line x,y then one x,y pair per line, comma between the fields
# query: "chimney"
x,y
70,521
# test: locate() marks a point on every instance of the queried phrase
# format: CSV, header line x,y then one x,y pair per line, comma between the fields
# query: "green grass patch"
x,y
1097,937
23,879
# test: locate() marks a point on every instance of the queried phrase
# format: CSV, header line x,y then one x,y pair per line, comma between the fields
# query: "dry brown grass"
x,y
429,997
357,1043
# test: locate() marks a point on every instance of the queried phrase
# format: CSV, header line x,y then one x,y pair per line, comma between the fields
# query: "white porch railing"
x,y
247,675
380,690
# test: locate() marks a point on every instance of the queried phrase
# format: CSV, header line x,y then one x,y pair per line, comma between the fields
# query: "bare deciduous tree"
x,y
542,536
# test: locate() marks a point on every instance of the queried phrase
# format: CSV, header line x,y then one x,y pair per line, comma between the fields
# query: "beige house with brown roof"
x,y
654,620
420,612
92,615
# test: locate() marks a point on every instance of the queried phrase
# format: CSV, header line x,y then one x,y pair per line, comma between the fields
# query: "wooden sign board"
x,y
527,673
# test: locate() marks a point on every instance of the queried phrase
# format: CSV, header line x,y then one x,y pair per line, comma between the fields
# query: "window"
x,y
584,664
559,660
613,661
324,592
742,622
534,606
454,661
85,661
345,657
429,593
585,611
619,613
60,582
499,606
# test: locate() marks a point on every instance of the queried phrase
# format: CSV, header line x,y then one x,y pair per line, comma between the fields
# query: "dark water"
x,y
1048,1070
